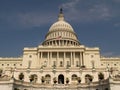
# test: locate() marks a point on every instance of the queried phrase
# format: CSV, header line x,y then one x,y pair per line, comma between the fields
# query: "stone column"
x,y
65,42
71,59
48,59
55,43
38,58
59,42
62,42
52,42
80,58
57,60
41,54
64,58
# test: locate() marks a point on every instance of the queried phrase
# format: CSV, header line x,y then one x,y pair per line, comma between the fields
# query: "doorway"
x,y
60,79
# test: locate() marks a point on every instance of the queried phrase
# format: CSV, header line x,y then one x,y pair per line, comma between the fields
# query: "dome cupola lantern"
x,y
61,33
61,16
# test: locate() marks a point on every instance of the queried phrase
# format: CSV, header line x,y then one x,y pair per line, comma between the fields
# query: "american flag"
x,y
59,37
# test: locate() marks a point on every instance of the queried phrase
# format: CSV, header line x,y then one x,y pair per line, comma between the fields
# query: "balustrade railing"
x,y
19,82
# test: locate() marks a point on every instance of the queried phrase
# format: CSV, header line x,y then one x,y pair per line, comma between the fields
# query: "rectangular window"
x,y
77,64
54,63
68,63
61,64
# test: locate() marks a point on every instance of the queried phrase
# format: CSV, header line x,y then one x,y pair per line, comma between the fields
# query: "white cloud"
x,y
70,5
77,10
108,54
34,19
28,19
118,1
117,24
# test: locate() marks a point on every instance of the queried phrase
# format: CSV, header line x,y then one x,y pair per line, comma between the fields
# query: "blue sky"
x,y
24,23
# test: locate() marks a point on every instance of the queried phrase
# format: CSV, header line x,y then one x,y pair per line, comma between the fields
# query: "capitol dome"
x,y
61,33
61,25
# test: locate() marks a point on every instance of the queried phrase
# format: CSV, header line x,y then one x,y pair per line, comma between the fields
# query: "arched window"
x,y
100,76
74,77
47,78
33,78
88,78
1,71
16,89
106,89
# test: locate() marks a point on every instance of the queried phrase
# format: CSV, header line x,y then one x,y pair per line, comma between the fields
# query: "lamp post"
x,y
89,85
31,83
89,80
101,77
31,88
21,84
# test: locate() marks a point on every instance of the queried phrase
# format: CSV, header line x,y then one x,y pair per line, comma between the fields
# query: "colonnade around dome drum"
x,y
61,43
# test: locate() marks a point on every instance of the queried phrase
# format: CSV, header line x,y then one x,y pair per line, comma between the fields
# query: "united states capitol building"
x,y
61,62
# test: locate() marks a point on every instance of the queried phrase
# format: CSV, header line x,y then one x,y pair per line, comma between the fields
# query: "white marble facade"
x,y
60,62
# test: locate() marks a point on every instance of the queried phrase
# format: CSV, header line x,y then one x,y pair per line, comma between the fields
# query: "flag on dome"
x,y
59,37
